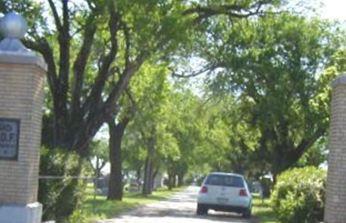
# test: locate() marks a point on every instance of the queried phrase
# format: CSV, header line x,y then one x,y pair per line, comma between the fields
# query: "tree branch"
x,y
80,64
94,98
196,73
42,46
232,10
133,102
109,108
64,57
55,15
127,44
123,81
305,144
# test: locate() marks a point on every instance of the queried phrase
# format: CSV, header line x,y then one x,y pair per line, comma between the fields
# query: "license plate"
x,y
222,200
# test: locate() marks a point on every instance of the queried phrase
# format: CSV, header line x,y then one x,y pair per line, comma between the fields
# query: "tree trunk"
x,y
138,178
153,178
97,169
174,182
138,174
170,181
116,133
180,179
145,180
148,169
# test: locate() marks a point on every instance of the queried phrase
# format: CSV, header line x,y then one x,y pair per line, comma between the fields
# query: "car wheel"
x,y
202,209
247,213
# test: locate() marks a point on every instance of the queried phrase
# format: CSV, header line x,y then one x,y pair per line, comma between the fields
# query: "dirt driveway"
x,y
181,208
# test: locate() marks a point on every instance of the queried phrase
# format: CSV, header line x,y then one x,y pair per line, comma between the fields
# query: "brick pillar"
x,y
335,210
21,97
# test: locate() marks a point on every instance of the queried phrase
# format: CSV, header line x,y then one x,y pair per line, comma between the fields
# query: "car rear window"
x,y
222,180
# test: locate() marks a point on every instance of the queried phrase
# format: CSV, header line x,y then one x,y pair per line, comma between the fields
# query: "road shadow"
x,y
217,216
167,211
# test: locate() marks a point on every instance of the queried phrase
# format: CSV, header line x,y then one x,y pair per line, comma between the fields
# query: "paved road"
x,y
181,208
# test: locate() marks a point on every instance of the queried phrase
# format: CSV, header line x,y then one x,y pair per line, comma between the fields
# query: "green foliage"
x,y
299,195
276,67
150,92
77,217
98,148
171,115
59,196
315,155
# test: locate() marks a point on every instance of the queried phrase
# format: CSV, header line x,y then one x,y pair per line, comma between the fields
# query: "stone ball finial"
x,y
13,25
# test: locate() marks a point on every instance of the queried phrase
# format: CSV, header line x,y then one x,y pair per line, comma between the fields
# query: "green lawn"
x,y
96,208
263,211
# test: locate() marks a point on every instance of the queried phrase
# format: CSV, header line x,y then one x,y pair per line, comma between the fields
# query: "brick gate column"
x,y
21,96
335,210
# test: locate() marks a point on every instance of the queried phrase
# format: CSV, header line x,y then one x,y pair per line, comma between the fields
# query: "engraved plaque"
x,y
9,138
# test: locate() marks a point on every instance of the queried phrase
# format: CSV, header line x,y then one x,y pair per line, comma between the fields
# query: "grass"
x,y
263,211
98,207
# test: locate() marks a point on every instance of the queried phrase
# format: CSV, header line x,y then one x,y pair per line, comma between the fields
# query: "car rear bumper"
x,y
219,207
241,202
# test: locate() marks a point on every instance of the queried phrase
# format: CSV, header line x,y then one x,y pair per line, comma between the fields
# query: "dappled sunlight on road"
x,y
181,208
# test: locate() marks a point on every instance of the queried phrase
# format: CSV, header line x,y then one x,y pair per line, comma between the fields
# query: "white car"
x,y
224,192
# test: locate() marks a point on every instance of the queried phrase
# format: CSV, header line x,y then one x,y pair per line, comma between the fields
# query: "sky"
x,y
331,9
334,9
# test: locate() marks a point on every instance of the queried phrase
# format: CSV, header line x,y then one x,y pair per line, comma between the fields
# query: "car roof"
x,y
226,174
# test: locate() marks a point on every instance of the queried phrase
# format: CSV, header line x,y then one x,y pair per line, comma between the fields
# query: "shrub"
x,y
298,195
60,197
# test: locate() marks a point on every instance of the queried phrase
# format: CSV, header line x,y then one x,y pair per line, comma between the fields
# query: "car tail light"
x,y
243,193
204,190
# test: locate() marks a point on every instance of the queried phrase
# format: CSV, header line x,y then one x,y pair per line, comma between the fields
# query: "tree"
x,y
95,47
152,118
98,156
117,129
184,126
92,52
274,68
